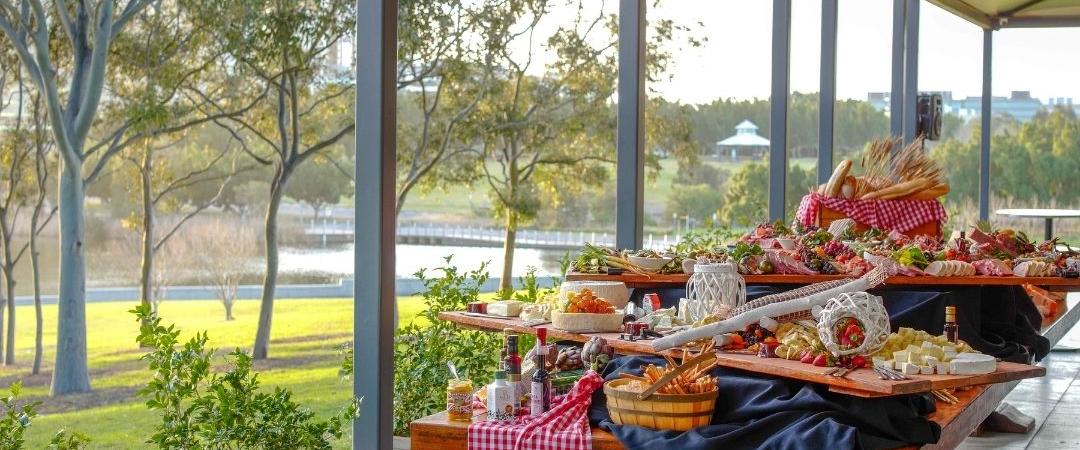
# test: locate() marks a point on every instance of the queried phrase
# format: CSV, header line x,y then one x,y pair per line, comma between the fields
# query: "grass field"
x,y
304,357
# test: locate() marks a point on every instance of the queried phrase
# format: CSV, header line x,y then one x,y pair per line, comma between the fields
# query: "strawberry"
x,y
821,360
807,357
858,361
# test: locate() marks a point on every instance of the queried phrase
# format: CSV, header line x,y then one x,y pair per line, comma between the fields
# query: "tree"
x,y
281,45
90,28
319,184
23,157
699,201
224,256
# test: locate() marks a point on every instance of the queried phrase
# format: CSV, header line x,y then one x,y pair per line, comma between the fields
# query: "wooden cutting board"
x,y
861,383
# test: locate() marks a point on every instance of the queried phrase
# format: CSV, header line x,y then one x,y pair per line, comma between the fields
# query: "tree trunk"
x,y
9,285
71,374
266,308
35,269
228,310
146,268
507,281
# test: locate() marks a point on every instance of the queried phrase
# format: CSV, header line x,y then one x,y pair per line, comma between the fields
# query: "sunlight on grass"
x,y
308,335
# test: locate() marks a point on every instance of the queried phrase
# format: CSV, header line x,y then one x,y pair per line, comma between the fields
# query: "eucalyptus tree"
x,y
87,30
288,48
442,46
543,132
162,89
23,170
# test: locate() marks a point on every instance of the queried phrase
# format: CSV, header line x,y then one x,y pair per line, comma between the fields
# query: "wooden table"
x,y
1046,214
957,421
657,280
859,383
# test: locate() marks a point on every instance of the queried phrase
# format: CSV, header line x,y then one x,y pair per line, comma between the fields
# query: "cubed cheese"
x,y
948,355
504,308
926,370
900,356
927,345
930,360
910,369
942,368
915,358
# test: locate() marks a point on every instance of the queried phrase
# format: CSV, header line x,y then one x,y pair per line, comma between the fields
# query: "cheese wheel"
x,y
972,364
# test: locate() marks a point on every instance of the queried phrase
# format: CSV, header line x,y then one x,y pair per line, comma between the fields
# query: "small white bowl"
x,y
786,243
651,264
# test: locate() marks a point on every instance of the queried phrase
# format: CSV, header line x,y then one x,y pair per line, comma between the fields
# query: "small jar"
x,y
459,400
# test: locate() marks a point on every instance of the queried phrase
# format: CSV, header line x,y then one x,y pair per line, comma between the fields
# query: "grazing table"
x,y
957,421
1047,214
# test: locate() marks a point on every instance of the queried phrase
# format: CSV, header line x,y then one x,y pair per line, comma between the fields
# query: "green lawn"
x,y
304,357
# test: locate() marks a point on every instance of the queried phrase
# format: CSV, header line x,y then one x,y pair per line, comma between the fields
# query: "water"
x,y
411,258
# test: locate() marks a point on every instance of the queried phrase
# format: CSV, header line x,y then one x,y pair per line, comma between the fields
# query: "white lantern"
x,y
868,309
714,289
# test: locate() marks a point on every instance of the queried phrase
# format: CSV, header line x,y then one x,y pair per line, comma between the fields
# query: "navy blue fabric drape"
x,y
756,411
761,412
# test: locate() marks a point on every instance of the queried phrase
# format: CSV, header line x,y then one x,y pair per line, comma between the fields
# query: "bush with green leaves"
x,y
204,409
18,417
423,349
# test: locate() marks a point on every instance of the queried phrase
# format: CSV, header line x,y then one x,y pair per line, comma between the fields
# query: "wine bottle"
x,y
540,399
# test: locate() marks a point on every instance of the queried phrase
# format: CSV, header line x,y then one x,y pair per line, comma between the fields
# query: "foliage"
x,y
422,351
746,201
1035,165
205,409
699,201
18,417
705,240
320,183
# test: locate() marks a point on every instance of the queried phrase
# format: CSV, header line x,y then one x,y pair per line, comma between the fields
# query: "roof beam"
x,y
966,12
1019,8
1039,22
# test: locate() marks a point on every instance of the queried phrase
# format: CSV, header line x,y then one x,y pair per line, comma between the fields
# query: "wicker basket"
x,y
679,412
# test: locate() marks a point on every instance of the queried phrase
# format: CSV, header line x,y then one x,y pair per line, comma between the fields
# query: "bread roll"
x,y
832,188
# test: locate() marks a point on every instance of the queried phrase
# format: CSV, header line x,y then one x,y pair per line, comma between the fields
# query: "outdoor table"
x,y
957,421
1048,214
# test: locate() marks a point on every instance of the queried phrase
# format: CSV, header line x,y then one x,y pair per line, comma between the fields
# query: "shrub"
x,y
422,351
18,417
204,409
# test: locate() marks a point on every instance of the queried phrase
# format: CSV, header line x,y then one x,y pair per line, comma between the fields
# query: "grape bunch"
x,y
837,248
821,266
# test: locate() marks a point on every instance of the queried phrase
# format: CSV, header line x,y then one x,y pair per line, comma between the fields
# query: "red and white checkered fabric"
x,y
564,427
898,215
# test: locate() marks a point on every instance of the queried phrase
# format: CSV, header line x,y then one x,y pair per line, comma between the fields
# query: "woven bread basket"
x,y
679,412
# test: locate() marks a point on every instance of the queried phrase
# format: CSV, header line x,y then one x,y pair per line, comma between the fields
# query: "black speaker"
x,y
928,124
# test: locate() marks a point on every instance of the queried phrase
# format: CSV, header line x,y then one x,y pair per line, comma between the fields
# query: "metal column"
x,y
374,297
781,80
911,69
827,94
630,146
987,114
896,93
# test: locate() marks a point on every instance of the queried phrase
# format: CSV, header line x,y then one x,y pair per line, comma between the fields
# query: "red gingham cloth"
x,y
898,215
564,427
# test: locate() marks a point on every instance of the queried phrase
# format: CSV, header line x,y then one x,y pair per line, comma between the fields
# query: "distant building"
x,y
1019,104
745,142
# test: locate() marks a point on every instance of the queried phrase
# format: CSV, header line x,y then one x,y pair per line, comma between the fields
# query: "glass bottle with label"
x,y
540,398
501,398
952,330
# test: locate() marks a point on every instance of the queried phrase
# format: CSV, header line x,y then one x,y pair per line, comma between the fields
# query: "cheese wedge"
x,y
972,364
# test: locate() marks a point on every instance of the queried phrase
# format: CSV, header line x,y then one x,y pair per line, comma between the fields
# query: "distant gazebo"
x,y
745,142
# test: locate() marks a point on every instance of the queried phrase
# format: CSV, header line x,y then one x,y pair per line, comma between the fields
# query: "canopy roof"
x,y
995,14
745,136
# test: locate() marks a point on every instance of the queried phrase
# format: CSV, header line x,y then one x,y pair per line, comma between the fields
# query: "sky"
x,y
736,60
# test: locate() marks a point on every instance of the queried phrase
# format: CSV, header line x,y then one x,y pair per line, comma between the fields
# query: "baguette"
x,y
832,188
931,193
898,190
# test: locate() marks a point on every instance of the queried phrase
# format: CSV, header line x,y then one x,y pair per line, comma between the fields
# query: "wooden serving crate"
x,y
827,216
